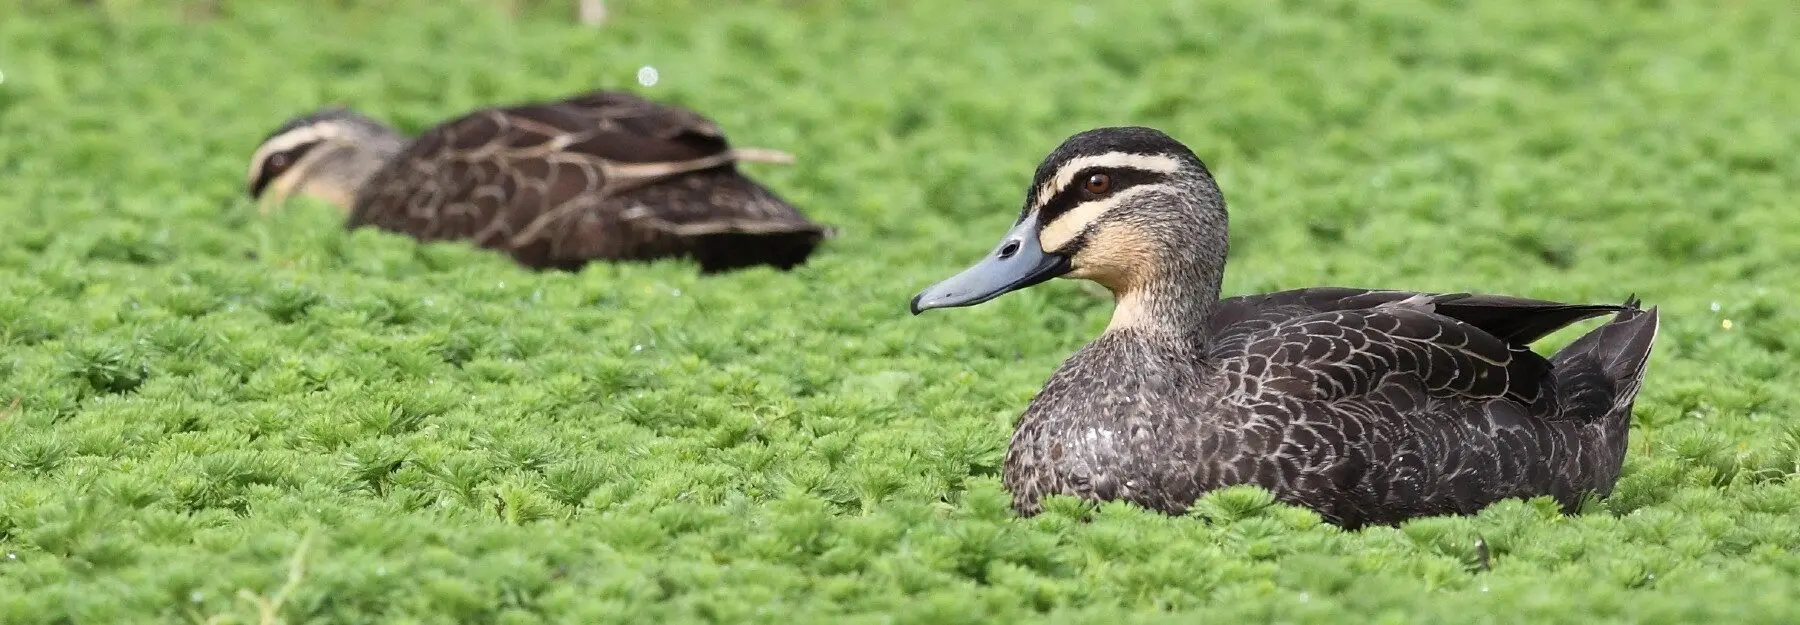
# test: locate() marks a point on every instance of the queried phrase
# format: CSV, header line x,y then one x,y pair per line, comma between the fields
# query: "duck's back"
x,y
682,216
595,176
1366,411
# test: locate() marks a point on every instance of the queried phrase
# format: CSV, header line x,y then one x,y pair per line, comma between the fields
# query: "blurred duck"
x,y
597,176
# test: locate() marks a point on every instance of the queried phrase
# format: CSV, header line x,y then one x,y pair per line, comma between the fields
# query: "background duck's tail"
x,y
723,219
783,249
1600,374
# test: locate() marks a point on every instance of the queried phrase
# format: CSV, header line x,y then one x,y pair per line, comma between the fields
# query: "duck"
x,y
553,184
1366,406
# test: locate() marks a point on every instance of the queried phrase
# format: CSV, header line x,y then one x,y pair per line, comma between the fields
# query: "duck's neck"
x,y
360,161
336,176
1165,275
1167,310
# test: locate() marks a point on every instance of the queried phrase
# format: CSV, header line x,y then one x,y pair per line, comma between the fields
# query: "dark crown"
x,y
334,113
1127,139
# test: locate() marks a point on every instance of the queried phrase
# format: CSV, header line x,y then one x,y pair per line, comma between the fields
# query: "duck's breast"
x,y
1118,420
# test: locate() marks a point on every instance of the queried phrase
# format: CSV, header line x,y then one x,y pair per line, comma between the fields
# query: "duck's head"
x,y
1129,208
326,154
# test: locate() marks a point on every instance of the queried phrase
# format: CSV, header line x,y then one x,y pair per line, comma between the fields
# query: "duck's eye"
x,y
1098,184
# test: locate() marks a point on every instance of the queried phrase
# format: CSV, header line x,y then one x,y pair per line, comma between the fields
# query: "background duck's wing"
x,y
467,178
598,175
721,218
1515,320
643,140
682,189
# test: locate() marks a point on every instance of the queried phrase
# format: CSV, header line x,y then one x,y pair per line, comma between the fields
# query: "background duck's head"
x,y
1130,208
326,154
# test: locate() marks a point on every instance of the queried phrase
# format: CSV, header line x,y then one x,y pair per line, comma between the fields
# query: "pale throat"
x,y
1161,307
333,174
1150,293
338,195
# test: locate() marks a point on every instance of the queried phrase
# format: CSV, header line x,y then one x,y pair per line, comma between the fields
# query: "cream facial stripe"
x,y
1124,160
288,141
1056,234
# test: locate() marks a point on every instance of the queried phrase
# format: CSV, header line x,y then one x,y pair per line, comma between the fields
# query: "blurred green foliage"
x,y
188,389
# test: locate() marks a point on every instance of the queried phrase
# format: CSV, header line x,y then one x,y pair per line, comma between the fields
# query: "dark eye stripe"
x,y
269,174
1068,197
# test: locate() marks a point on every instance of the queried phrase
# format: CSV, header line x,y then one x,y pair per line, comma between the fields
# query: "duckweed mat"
x,y
209,415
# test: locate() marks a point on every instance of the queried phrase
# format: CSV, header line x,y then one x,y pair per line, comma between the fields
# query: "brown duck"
x,y
597,176
1367,406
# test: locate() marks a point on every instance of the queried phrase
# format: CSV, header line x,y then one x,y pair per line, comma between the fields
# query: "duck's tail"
x,y
724,220
1600,374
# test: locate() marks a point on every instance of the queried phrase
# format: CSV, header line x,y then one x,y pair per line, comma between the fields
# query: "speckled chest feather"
x,y
1119,420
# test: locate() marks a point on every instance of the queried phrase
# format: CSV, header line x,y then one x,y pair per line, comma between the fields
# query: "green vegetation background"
x,y
194,395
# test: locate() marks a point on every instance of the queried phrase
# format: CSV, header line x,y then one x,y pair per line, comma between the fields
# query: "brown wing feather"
x,y
625,128
683,216
482,177
1397,410
1512,319
597,175
1348,354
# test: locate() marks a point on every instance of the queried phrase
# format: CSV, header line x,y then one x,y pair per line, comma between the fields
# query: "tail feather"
x,y
1598,376
723,219
725,251
1518,320
1621,348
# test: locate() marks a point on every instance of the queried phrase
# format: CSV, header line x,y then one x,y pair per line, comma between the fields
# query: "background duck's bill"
x,y
1017,263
